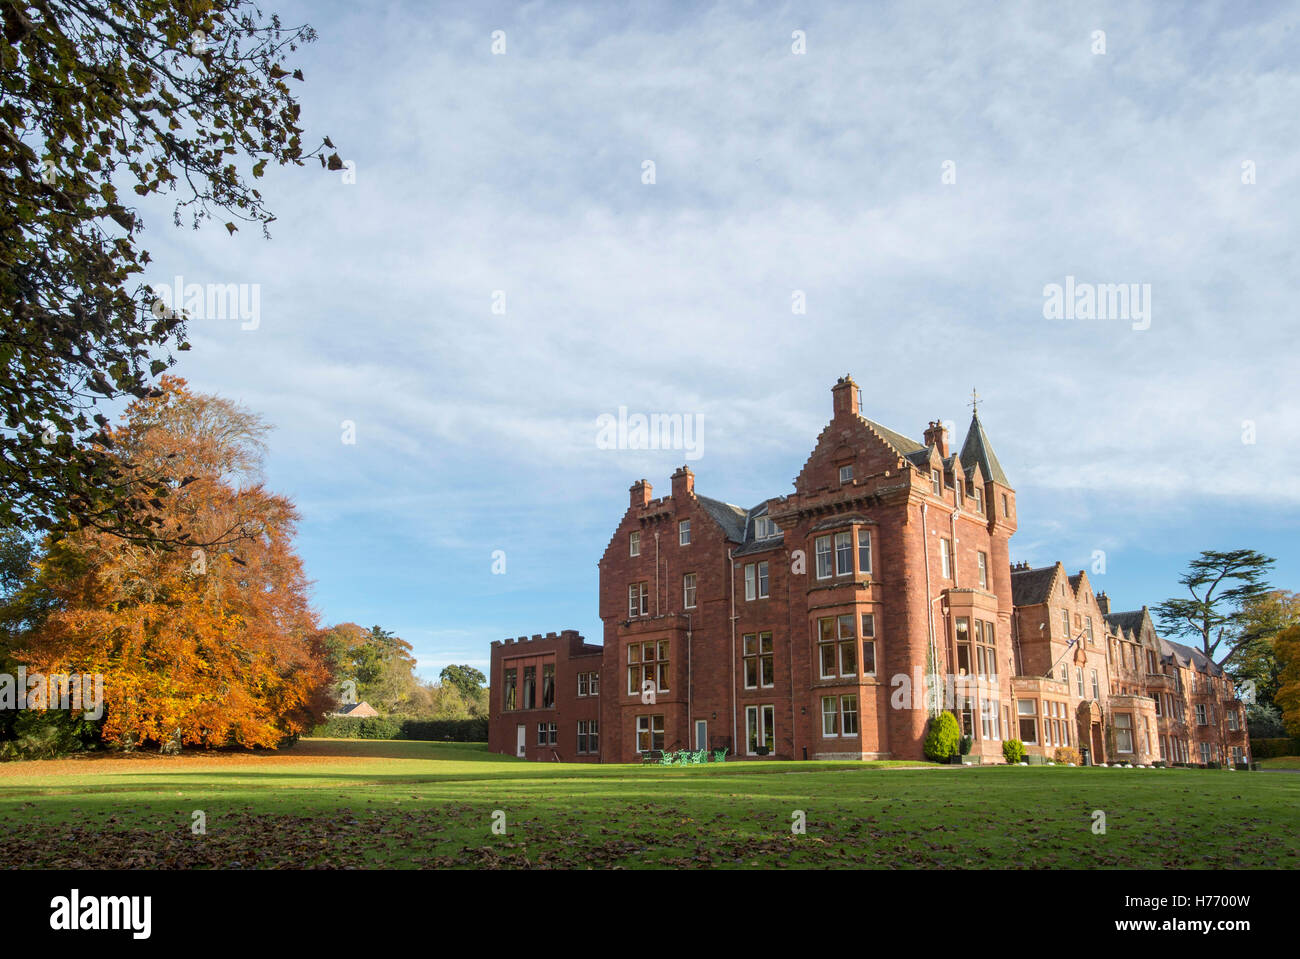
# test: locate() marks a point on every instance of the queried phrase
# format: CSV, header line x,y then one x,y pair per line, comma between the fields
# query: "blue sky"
x,y
774,172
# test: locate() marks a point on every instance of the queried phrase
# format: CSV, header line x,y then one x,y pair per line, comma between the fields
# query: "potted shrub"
x,y
943,741
1013,751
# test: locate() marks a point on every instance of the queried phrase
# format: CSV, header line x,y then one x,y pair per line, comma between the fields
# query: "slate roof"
x,y
978,449
733,520
1029,587
901,444
1196,657
1130,621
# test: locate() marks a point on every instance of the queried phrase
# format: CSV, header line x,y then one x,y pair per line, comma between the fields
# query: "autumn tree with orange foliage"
x,y
211,646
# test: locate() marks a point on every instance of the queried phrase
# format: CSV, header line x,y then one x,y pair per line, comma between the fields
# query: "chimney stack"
x,y
845,395
1103,601
683,483
936,435
641,493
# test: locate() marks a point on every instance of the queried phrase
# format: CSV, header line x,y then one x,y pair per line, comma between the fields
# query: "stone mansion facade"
x,y
808,627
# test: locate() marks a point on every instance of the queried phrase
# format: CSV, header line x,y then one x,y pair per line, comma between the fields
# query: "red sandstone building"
x,y
806,627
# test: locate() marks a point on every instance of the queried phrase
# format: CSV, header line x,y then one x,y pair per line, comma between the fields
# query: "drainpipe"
x,y
732,559
656,572
929,610
690,716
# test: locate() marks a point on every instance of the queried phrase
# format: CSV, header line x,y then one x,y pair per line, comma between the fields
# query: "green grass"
x,y
1280,762
410,804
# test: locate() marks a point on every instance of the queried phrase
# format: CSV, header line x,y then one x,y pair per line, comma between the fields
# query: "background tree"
x,y
219,643
377,660
1287,646
1253,658
1222,584
100,103
466,679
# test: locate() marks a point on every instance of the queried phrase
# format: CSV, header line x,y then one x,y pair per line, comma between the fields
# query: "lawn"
x,y
348,803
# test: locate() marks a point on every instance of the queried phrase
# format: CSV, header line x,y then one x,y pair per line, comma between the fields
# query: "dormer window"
x,y
978,495
764,528
936,482
846,474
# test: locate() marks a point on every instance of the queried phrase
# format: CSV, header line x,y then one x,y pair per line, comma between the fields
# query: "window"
x,y
983,559
1027,710
760,728
764,528
1205,753
541,734
1065,624
963,645
823,549
989,719
508,689
1200,715
830,716
530,687
869,644
638,600
1087,628
762,580
647,663
1232,719
548,686
684,533
759,660
846,474
588,684
843,554
649,733
978,495
1124,732
582,684
756,580
1078,680
945,557
1006,510
837,647
1096,689
864,551
634,544
588,736
936,483
688,591
849,714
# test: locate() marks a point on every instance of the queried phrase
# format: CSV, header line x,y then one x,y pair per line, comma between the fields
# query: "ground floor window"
x,y
1027,709
588,736
649,733
760,729
830,716
849,715
1205,752
1238,755
989,719
1124,732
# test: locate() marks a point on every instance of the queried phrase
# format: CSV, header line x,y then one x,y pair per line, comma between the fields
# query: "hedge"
x,y
399,727
1269,748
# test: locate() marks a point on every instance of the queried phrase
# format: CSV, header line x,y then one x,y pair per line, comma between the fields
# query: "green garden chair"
x,y
700,756
719,755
